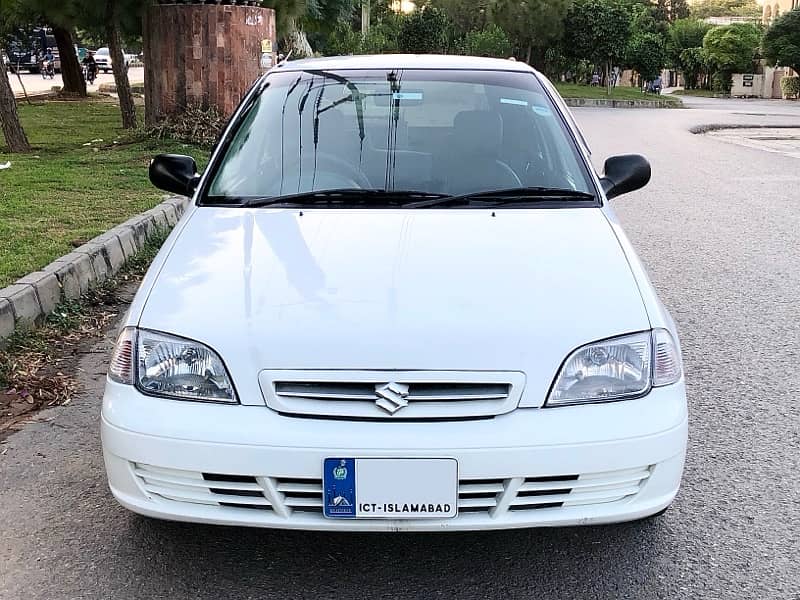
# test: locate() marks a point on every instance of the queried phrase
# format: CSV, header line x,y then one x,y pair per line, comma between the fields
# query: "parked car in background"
x,y
103,59
399,301
102,56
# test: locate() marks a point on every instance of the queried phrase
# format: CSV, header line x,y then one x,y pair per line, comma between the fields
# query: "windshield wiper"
x,y
524,195
338,197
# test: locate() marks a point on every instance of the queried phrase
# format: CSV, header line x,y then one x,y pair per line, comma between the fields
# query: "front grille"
x,y
411,395
490,497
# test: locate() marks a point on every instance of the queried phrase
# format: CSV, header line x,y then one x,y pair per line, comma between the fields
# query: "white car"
x,y
104,62
399,301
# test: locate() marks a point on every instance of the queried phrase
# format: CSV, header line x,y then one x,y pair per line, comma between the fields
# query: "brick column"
x,y
201,54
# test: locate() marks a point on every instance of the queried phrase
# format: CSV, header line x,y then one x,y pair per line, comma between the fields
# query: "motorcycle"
x,y
89,74
47,69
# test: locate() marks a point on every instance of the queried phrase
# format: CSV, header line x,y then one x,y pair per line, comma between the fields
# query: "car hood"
x,y
513,290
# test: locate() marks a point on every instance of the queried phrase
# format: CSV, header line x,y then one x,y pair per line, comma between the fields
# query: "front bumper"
x,y
247,465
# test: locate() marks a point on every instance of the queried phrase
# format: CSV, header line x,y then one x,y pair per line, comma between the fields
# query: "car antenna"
x,y
286,58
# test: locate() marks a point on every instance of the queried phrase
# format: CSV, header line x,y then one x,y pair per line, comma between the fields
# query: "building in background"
x,y
775,8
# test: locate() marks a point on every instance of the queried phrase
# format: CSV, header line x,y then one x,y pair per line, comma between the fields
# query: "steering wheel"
x,y
509,172
329,165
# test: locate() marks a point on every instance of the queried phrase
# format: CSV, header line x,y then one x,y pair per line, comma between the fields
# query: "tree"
x,y
295,16
14,134
532,25
646,55
695,65
491,41
61,15
731,49
597,31
114,37
423,32
781,42
726,8
647,18
672,10
686,34
465,15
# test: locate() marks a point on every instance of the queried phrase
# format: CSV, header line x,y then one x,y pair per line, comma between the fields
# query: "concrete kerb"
x,y
48,290
29,300
24,303
7,320
612,103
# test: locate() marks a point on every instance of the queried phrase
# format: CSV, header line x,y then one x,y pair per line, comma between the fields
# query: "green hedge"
x,y
790,86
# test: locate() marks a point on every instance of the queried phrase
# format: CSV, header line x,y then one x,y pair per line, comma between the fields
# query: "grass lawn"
x,y
573,90
66,192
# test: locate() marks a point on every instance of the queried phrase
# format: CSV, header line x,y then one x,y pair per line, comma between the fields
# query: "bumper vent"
x,y
490,497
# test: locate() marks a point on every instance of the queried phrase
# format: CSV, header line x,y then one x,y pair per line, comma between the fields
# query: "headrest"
x,y
478,132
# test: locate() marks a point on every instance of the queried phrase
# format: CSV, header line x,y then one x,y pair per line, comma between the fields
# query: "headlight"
x,y
171,367
608,370
616,369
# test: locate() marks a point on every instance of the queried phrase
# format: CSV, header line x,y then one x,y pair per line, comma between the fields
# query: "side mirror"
x,y
625,173
174,173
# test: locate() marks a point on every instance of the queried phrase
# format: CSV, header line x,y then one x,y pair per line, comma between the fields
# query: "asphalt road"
x,y
717,229
34,83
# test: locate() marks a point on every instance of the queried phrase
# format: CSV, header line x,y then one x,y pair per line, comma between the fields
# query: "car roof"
x,y
407,61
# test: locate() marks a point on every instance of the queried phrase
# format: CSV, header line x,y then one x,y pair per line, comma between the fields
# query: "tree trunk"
x,y
126,105
22,85
297,42
365,17
71,72
607,75
16,140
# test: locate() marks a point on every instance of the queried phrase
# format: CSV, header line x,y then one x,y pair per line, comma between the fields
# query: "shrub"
x,y
722,82
423,32
790,86
382,37
492,41
343,41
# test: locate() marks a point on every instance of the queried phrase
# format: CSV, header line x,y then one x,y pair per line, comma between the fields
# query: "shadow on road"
x,y
614,560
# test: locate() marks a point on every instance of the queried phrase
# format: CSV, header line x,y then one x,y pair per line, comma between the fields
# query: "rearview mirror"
x,y
174,173
625,173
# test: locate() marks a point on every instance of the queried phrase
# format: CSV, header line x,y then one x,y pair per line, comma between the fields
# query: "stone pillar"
x,y
202,54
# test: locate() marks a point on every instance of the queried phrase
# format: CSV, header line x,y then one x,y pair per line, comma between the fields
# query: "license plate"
x,y
390,488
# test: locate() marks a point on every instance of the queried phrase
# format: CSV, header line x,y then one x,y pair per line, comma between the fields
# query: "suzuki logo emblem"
x,y
391,396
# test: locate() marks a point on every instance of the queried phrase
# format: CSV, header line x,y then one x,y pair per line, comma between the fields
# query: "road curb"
x,y
111,88
26,303
611,103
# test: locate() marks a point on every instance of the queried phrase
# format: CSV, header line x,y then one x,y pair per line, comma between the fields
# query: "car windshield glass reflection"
x,y
430,132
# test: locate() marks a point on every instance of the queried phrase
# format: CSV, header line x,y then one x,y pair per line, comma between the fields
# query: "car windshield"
x,y
435,132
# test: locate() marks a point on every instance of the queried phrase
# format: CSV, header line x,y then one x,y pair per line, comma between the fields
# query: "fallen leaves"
x,y
37,374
